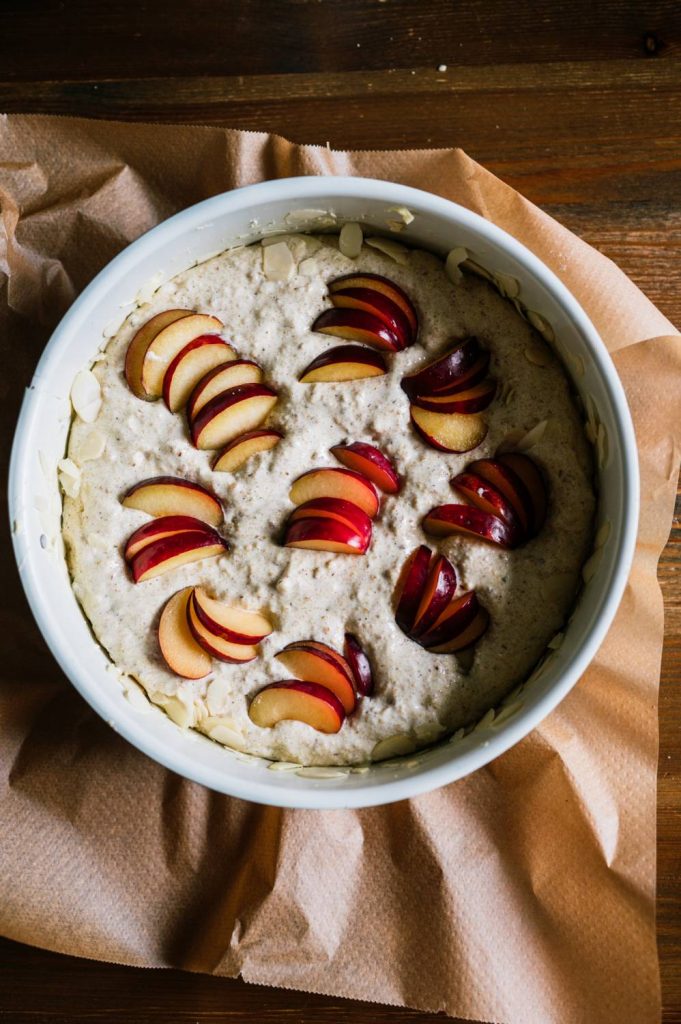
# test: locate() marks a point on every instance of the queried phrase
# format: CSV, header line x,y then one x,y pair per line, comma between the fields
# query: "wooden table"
x,y
576,105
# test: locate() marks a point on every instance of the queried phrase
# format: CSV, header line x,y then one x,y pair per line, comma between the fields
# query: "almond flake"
x,y
310,219
394,250
577,363
475,268
601,537
278,263
393,746
350,240
601,446
538,355
555,642
179,712
428,733
532,437
360,769
507,712
540,324
68,468
308,267
455,257
69,485
591,566
520,308
217,694
507,285
227,736
457,736
86,396
321,773
283,766
486,720
92,447
406,215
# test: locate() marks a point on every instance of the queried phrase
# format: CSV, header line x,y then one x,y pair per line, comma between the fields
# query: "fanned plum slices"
x,y
242,448
428,609
167,344
366,308
383,286
190,365
222,378
357,325
448,395
314,665
293,700
360,665
344,363
183,655
508,499
335,483
369,460
168,553
169,495
231,413
325,690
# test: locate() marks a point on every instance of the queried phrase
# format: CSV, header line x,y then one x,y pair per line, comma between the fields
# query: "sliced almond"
x,y
577,363
86,396
405,215
310,219
541,324
457,736
278,263
394,250
590,567
395,225
485,721
507,285
602,535
475,268
538,355
227,735
393,746
555,641
217,693
507,712
532,437
601,446
92,447
69,477
360,769
350,240
180,712
455,257
321,773
283,766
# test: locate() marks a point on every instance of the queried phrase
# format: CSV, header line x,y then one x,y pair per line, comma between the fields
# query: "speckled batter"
x,y
317,595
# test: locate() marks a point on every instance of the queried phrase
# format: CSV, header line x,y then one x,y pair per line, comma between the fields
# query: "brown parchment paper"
x,y
522,894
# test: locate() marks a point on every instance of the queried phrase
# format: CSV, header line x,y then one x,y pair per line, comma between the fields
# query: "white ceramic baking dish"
x,y
191,236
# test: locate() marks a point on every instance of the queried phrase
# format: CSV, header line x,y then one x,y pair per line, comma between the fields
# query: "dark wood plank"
x,y
201,37
574,138
31,993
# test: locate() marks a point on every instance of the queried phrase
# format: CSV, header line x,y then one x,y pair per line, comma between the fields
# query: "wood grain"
x,y
576,105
